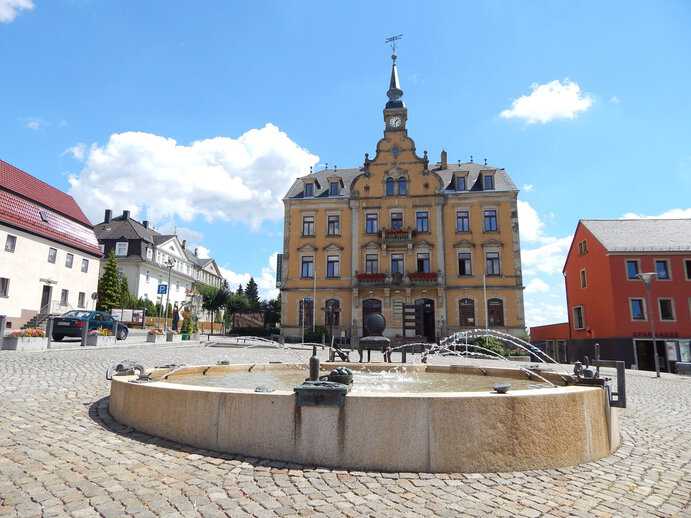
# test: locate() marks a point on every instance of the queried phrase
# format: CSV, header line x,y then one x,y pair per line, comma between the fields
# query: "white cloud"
x,y
220,178
530,223
528,187
541,311
668,214
34,123
203,252
9,9
78,151
537,286
266,280
548,102
614,99
548,258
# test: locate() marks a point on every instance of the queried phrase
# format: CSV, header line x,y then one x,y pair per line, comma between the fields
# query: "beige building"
x,y
434,247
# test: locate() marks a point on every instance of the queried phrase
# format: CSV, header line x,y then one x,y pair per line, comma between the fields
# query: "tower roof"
x,y
395,92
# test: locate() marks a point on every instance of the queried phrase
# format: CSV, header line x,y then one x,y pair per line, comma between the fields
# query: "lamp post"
x,y
484,294
647,279
170,263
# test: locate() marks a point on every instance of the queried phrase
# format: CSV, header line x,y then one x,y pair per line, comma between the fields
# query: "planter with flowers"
x,y
172,336
31,339
100,336
155,336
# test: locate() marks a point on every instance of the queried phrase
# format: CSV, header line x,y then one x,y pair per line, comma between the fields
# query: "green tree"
x,y
109,285
234,304
125,299
272,311
240,291
252,293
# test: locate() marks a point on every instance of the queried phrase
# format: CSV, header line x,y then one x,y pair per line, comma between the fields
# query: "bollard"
x,y
49,330
3,323
403,355
115,330
85,332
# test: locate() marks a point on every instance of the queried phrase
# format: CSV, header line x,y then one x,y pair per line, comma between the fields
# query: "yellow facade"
x,y
409,261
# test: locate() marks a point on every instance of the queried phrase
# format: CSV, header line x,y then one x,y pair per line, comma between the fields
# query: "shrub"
x,y
155,331
316,335
101,331
29,332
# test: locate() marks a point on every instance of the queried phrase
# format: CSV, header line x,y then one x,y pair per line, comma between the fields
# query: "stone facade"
x,y
401,235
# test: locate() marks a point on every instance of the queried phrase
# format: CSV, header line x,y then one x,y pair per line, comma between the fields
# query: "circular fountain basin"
x,y
419,418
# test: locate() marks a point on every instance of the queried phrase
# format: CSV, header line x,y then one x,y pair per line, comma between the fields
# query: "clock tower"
x,y
395,112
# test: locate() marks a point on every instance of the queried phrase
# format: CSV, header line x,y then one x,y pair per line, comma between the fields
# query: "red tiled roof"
x,y
17,181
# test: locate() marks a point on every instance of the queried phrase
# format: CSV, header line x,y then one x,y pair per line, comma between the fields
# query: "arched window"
x,y
306,312
402,186
466,312
332,311
495,312
389,187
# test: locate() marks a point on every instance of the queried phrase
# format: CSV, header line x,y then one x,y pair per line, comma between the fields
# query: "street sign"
x,y
162,289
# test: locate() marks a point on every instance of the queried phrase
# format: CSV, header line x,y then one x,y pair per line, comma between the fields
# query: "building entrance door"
x,y
424,319
45,299
644,353
369,306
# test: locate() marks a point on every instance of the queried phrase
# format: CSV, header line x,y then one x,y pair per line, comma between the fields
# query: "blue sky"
x,y
113,94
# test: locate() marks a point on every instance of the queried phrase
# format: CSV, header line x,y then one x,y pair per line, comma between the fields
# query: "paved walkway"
x,y
62,455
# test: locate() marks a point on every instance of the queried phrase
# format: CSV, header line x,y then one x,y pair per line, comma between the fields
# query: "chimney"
x,y
125,214
145,223
108,215
184,244
444,159
195,251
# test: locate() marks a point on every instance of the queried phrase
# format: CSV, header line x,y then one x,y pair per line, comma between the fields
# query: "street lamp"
x,y
170,263
647,279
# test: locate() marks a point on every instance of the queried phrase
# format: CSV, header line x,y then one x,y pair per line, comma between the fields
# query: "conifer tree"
x,y
252,293
109,285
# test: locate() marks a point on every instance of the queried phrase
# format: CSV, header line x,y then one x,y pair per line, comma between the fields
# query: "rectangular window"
x,y
81,300
52,255
637,307
666,307
687,269
632,269
396,220
578,317
309,190
583,247
307,269
69,260
64,296
371,263
492,263
308,225
149,254
465,263
333,226
333,266
422,221
10,243
371,223
460,183
4,288
662,269
584,279
396,263
490,220
85,265
334,189
121,248
488,182
423,263
462,221
102,248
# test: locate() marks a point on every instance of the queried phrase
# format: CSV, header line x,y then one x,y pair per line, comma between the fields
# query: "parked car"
x,y
73,322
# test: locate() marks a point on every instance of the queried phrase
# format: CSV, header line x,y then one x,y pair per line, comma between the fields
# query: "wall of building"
x,y
29,270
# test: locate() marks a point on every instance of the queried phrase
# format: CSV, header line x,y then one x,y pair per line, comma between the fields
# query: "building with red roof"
x,y
49,254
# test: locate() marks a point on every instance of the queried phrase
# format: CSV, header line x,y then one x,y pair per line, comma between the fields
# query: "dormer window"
x,y
309,190
460,183
334,188
402,186
488,182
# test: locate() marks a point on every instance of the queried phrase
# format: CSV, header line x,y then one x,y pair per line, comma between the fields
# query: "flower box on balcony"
x,y
423,276
371,277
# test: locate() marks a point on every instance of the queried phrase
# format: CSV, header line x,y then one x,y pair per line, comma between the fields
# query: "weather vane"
x,y
392,40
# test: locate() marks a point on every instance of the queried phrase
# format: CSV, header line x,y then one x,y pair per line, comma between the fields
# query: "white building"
x,y
49,255
147,259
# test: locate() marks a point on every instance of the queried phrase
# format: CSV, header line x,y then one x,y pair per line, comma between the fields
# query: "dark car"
x,y
72,323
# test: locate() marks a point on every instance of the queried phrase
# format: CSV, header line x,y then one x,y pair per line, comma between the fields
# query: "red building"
x,y
609,304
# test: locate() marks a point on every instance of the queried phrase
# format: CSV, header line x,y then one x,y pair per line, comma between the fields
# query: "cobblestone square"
x,y
62,455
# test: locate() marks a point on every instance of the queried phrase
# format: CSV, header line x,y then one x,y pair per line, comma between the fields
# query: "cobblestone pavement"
x,y
62,455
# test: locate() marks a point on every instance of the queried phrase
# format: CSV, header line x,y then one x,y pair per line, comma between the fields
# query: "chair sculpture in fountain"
x,y
375,323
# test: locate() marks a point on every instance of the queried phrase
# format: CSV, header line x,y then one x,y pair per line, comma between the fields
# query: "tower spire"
x,y
395,92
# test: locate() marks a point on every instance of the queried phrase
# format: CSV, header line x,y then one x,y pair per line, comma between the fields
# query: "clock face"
x,y
395,121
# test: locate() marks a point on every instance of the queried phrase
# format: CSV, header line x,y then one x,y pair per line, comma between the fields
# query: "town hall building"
x,y
434,247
